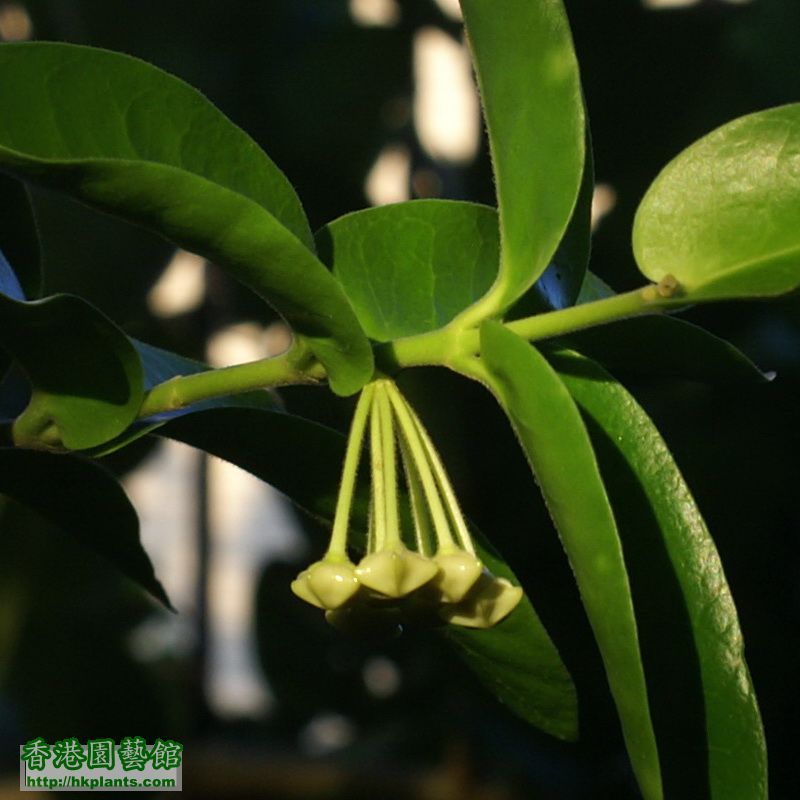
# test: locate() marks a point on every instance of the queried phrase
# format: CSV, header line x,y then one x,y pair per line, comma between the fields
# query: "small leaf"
x,y
660,347
147,147
691,638
530,87
519,663
557,445
411,267
722,218
86,377
516,659
103,520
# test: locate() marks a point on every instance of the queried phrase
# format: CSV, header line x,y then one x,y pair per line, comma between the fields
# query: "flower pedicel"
x,y
431,572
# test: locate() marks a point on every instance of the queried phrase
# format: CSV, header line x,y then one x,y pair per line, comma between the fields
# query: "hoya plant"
x,y
502,296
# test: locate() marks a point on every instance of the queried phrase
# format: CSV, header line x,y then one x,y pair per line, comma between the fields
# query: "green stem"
x,y
450,344
337,549
442,480
293,367
378,476
418,452
646,300
447,346
392,538
423,535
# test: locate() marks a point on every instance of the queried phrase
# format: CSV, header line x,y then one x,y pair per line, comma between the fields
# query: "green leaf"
x,y
690,631
561,283
665,348
145,146
310,477
722,218
103,520
85,376
516,659
411,267
530,87
555,440
19,240
519,663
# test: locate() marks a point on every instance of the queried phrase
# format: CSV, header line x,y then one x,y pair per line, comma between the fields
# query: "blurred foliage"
x,y
322,95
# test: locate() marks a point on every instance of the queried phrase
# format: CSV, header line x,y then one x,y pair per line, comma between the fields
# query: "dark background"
x,y
320,94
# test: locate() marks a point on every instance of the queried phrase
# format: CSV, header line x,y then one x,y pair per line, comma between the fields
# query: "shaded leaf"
x,y
557,445
711,743
531,93
659,346
19,240
145,146
722,217
411,267
103,520
519,663
86,377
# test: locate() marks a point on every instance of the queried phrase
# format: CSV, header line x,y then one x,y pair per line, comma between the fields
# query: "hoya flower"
x,y
431,574
458,572
396,572
327,584
490,601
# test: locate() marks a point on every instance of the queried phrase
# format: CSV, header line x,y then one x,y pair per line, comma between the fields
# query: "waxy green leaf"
x,y
516,659
147,147
555,441
722,218
85,501
711,743
85,375
530,87
411,267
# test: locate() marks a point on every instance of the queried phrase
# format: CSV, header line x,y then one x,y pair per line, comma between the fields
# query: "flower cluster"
x,y
425,570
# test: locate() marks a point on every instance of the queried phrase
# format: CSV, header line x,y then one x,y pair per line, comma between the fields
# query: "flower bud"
x,y
490,601
326,584
396,572
459,573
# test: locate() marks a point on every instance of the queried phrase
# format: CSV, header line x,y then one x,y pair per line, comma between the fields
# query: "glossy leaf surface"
x,y
411,267
722,218
145,146
85,375
530,88
712,742
516,659
103,519
557,445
